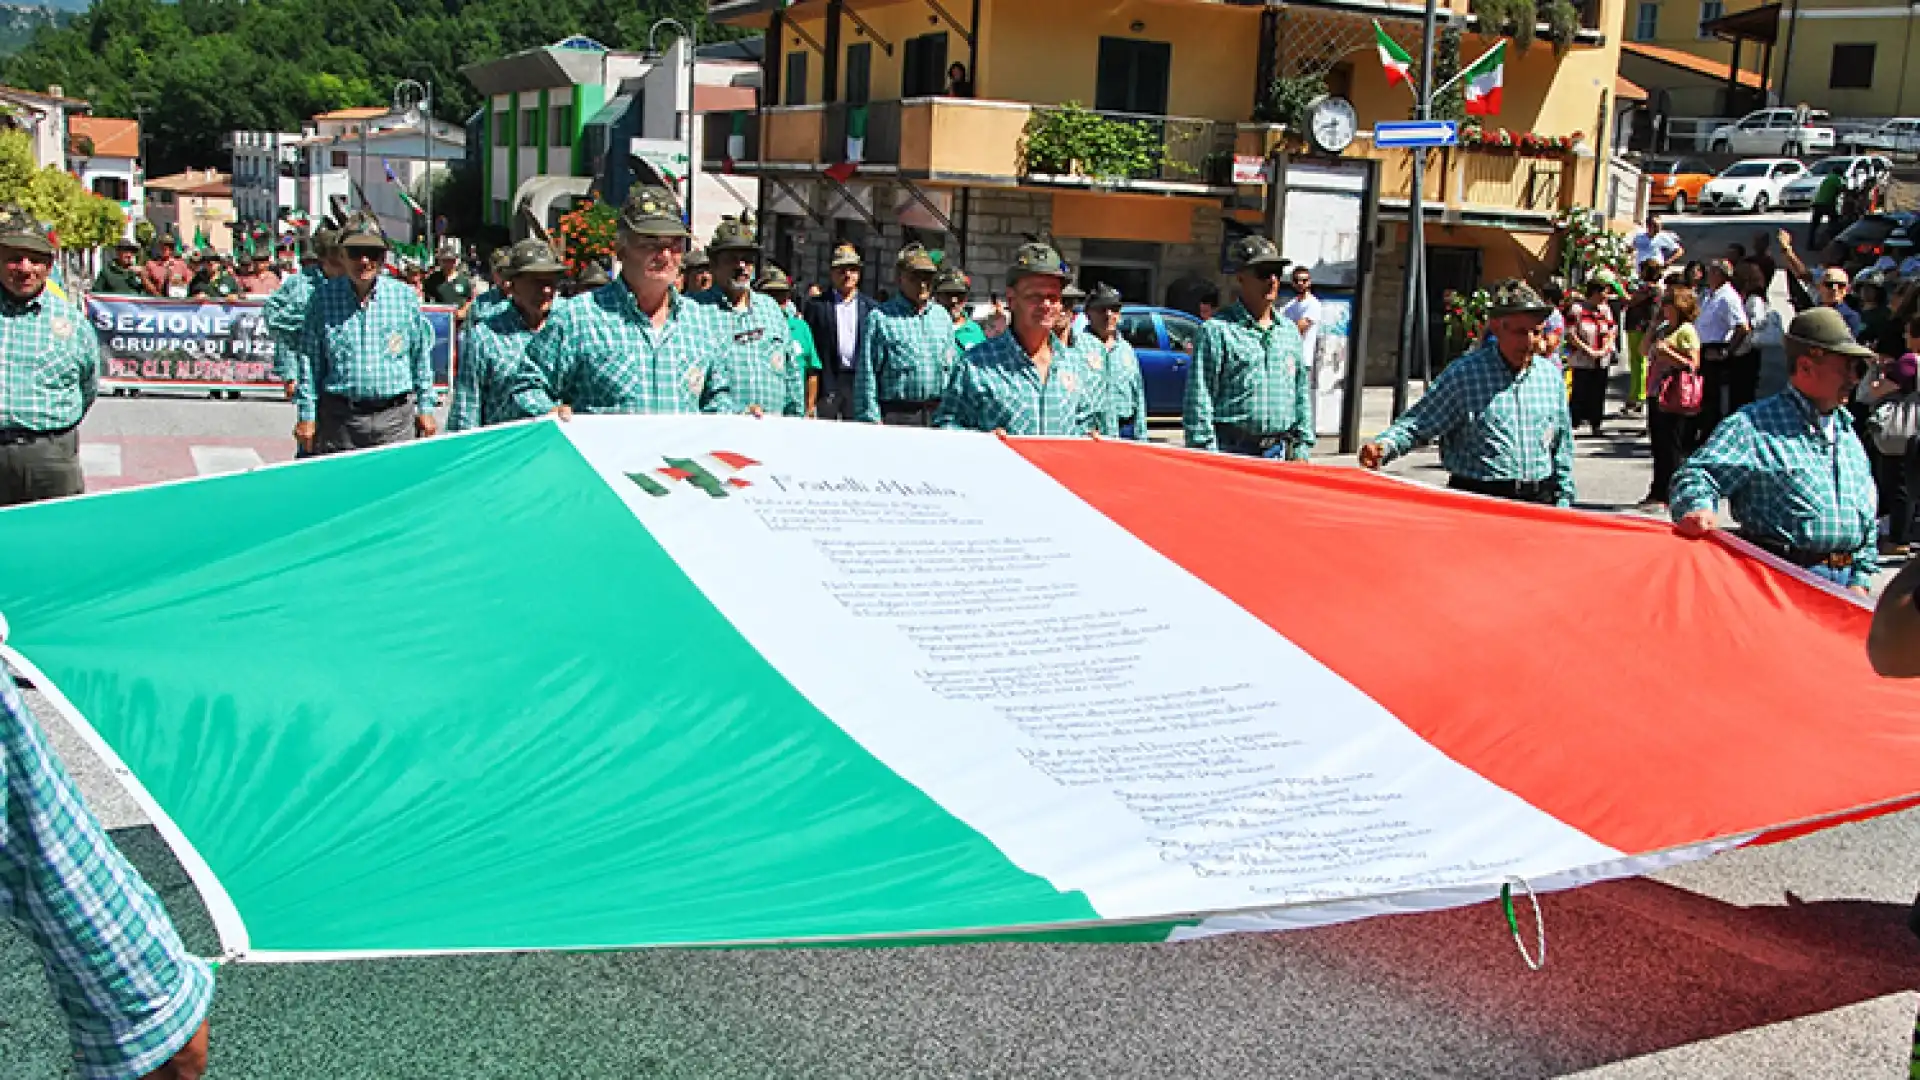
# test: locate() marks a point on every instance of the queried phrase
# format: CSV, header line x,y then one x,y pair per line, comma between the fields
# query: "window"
x,y
560,127
529,119
1137,327
925,71
1709,11
1182,332
164,198
338,159
859,73
1646,25
502,128
1132,76
111,187
1852,67
795,87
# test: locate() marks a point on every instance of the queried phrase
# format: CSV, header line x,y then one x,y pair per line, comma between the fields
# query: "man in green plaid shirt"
x,y
1026,381
494,346
1500,412
1792,466
1126,410
751,327
907,350
286,310
135,1001
1250,390
634,345
364,354
49,369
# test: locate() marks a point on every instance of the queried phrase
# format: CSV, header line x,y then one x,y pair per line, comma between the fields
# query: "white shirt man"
x,y
1303,311
1655,243
846,316
1721,313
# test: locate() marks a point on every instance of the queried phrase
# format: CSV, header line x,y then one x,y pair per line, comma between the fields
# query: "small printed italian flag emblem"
x,y
716,473
1483,81
1393,59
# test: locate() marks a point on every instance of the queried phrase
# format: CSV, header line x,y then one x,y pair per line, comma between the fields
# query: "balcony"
x,y
1586,31
1478,181
965,140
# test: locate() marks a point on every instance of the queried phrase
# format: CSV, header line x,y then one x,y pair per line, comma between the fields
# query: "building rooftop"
x,y
106,136
1686,61
210,182
364,112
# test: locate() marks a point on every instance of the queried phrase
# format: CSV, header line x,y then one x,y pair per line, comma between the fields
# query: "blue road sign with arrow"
x,y
1415,133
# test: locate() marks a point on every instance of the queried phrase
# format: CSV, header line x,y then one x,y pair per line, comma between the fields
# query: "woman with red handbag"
x,y
1674,384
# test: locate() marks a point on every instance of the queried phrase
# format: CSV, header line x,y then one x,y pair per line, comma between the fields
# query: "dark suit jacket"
x,y
820,317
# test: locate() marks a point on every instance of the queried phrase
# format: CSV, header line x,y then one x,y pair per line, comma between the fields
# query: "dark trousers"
x,y
835,399
1896,480
908,413
1668,432
1743,379
1821,216
1527,491
42,467
341,425
1713,403
1588,399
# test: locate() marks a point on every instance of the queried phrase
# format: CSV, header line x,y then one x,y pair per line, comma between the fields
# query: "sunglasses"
x,y
1833,284
1264,273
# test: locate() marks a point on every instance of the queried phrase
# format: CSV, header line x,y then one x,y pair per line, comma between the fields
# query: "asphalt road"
x,y
1788,961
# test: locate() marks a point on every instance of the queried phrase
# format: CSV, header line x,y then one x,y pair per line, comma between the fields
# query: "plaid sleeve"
x,y
131,993
1432,416
1198,412
425,397
1718,469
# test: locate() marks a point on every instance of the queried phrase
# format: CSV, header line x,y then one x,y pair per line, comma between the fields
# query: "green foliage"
x,y
1073,140
201,68
1288,99
1563,22
143,233
1514,18
1586,246
1451,103
587,233
20,22
81,218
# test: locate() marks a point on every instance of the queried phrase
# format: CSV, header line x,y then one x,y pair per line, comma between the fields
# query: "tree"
x,y
80,218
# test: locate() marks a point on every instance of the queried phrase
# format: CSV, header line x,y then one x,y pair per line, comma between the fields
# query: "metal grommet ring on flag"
x,y
1513,922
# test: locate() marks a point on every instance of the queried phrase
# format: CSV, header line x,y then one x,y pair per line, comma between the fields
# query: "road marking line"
x,y
101,459
215,460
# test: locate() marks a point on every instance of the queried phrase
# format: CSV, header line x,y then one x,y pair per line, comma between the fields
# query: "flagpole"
x,y
1410,329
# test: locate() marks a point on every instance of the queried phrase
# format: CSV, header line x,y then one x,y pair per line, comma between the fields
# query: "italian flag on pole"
x,y
710,680
1393,59
1483,81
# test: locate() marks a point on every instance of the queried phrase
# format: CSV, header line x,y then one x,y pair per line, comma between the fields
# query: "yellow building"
x,y
1852,59
949,169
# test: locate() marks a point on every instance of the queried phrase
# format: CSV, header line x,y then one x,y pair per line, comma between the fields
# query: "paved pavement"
x,y
1791,961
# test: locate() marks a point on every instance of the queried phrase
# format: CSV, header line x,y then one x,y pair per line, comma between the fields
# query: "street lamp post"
x,y
417,94
692,42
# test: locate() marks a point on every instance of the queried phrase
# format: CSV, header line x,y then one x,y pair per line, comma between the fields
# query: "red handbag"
x,y
1681,392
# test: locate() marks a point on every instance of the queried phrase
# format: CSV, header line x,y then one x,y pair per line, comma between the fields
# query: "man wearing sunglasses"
x,y
1251,388
1791,466
363,359
1499,411
635,344
1834,287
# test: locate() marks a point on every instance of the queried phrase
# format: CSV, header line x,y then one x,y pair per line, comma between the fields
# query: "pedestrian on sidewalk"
x,y
1590,344
1723,326
1743,363
1826,207
1643,311
1892,425
364,354
1673,353
1499,412
1250,390
49,370
1791,467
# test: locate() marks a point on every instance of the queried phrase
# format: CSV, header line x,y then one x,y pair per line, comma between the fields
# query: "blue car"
x,y
1164,340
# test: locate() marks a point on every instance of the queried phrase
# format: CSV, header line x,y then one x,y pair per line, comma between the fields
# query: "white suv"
x,y
1772,131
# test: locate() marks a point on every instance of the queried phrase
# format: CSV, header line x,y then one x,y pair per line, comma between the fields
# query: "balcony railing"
x,y
1589,18
717,130
1187,150
1469,178
882,141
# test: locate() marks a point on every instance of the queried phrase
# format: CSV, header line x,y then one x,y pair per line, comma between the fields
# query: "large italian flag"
x,y
629,682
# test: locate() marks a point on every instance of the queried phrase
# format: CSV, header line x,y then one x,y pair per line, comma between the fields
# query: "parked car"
x,y
1865,240
1772,131
1900,135
1798,195
1163,339
1676,182
1752,185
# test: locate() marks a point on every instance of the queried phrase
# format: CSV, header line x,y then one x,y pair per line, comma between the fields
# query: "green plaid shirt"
x,y
904,356
1793,477
997,388
284,313
599,353
364,351
759,347
1126,390
131,993
967,334
1250,378
492,351
1493,424
49,363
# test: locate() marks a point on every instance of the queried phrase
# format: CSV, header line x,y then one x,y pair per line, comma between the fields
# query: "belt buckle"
x,y
1838,560
1267,443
